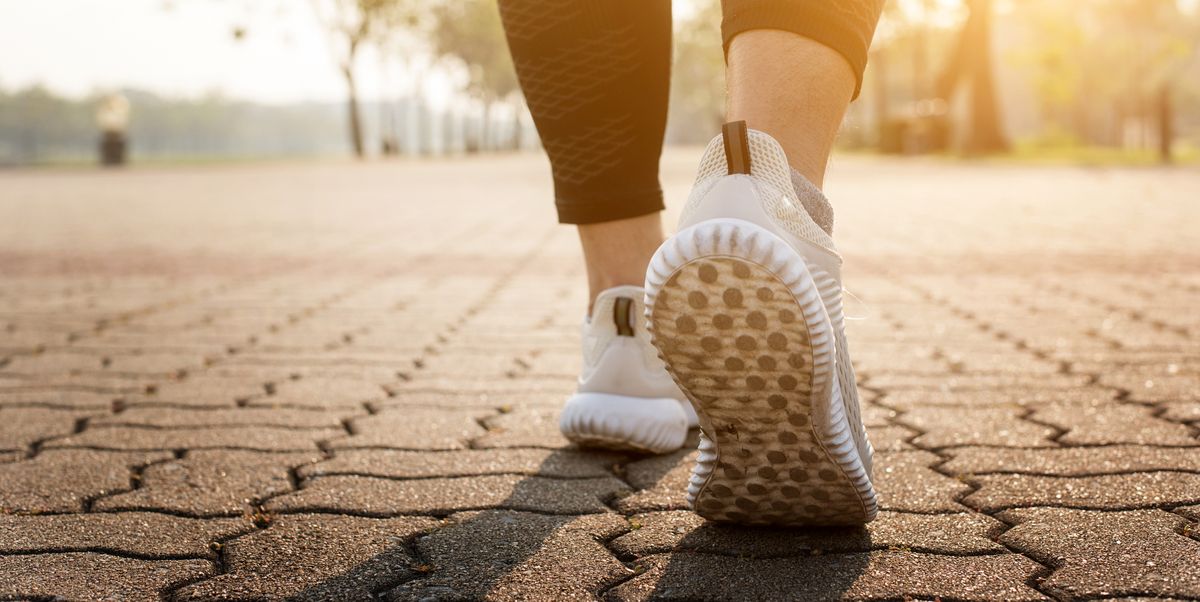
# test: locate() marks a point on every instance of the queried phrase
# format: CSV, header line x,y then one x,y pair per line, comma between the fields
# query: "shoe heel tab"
x,y
737,147
623,317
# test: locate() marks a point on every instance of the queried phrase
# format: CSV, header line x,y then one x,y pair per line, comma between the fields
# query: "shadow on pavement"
x,y
513,549
723,562
549,540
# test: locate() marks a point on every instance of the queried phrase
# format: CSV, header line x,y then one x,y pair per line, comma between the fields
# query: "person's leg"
x,y
793,67
596,75
745,303
793,88
617,252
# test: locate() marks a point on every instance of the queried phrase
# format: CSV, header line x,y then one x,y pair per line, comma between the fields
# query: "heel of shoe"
x,y
645,425
740,323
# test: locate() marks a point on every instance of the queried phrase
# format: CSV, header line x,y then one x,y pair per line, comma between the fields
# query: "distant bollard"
x,y
113,118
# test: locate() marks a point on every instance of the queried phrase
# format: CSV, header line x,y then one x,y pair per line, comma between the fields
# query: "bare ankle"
x,y
616,253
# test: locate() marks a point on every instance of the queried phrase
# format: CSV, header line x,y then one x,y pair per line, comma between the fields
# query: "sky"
x,y
186,48
182,48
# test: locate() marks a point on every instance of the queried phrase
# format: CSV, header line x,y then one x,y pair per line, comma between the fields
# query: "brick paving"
x,y
340,382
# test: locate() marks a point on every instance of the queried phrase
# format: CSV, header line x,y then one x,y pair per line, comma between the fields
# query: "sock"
x,y
814,201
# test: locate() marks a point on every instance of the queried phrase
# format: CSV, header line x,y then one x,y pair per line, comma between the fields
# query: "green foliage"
x,y
1093,63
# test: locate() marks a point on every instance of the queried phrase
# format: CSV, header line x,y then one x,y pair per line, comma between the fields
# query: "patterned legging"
x,y
596,76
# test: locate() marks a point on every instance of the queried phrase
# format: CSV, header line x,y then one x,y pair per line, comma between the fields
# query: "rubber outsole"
x,y
740,324
618,422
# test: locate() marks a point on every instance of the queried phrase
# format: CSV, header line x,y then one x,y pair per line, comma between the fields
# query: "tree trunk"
x,y
389,140
1166,132
356,135
516,134
485,128
882,111
986,134
920,87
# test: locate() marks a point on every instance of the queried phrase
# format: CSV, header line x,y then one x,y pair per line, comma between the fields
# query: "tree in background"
x,y
399,39
697,105
1105,72
1157,41
351,24
972,61
470,32
913,38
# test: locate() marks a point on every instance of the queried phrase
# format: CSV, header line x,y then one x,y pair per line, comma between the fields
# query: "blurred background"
x,y
1095,81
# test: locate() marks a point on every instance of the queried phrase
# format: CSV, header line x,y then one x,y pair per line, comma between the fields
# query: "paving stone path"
x,y
341,381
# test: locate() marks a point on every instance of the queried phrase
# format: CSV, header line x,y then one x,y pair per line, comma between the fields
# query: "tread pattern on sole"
x,y
739,322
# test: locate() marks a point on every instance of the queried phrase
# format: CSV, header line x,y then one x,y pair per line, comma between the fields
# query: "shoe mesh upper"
x,y
771,174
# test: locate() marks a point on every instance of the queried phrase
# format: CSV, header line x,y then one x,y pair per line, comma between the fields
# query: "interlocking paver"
x,y
414,429
348,374
887,575
157,363
1192,512
892,437
659,482
512,387
1097,554
21,427
1009,397
944,427
91,576
503,555
470,363
64,480
218,417
876,416
53,363
524,428
1181,411
203,390
314,557
145,534
385,497
659,532
1010,362
263,438
210,482
907,483
1072,461
1108,492
321,392
468,401
89,381
1150,388
1103,424
84,400
399,464
976,382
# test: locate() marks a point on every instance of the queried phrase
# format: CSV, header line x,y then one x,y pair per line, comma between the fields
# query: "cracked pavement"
x,y
338,381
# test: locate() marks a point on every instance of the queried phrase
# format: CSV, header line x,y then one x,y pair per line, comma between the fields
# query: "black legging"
x,y
596,76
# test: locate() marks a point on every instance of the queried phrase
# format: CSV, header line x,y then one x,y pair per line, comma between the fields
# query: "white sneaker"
x,y
745,308
625,400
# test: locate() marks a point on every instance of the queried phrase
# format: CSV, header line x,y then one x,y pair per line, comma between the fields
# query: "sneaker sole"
x,y
617,422
739,322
